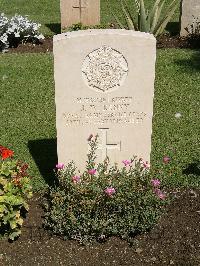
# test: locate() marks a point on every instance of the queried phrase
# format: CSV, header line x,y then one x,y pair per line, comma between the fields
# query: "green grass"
x,y
27,105
177,91
47,13
28,113
44,12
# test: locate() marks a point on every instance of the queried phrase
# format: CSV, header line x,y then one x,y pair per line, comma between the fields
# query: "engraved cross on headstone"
x,y
80,7
104,146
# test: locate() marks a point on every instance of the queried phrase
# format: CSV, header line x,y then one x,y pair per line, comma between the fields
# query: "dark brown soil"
x,y
174,241
164,41
44,46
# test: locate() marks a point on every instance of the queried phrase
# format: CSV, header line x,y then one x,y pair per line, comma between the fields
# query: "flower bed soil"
x,y
163,41
175,240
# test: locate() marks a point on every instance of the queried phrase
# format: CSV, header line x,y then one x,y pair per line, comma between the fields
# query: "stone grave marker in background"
x,y
104,84
190,16
75,11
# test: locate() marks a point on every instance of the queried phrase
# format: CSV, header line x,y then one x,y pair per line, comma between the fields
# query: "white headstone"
x,y
104,84
190,17
86,12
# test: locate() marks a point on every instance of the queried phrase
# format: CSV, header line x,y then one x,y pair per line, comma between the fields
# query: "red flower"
x,y
5,153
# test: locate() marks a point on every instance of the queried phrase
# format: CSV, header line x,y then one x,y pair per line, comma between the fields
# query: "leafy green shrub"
x,y
80,26
153,21
15,189
103,200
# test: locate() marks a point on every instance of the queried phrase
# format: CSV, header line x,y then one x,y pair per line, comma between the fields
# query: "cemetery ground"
x,y
163,41
174,241
28,119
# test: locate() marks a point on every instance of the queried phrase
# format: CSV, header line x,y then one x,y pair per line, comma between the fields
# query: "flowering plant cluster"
x,y
17,29
104,200
15,189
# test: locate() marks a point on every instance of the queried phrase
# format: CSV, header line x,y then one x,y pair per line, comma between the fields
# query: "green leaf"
x,y
153,16
14,234
157,17
142,18
13,224
129,19
168,15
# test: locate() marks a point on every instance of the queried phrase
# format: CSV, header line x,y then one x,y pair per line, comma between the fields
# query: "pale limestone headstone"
x,y
104,84
75,11
190,16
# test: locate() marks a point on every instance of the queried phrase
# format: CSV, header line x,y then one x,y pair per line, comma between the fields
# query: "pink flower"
x,y
76,179
146,165
166,159
155,182
126,162
92,171
90,137
109,191
60,165
161,195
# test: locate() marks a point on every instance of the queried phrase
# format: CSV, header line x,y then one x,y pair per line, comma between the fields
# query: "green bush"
x,y
80,26
15,189
153,21
103,201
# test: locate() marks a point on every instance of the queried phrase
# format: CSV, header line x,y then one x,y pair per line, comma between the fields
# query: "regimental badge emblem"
x,y
104,69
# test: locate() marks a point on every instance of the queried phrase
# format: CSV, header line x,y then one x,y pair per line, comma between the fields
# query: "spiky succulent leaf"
x,y
153,15
157,17
129,19
153,21
142,18
167,16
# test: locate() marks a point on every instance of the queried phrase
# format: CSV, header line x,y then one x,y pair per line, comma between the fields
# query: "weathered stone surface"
x,y
75,11
104,84
190,16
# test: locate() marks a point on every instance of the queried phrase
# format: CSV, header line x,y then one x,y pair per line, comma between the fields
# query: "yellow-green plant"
x,y
153,21
15,190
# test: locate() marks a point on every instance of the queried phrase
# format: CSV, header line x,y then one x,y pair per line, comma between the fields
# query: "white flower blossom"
x,y
17,27
41,37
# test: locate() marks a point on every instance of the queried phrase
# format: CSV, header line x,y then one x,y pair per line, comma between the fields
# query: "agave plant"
x,y
153,21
